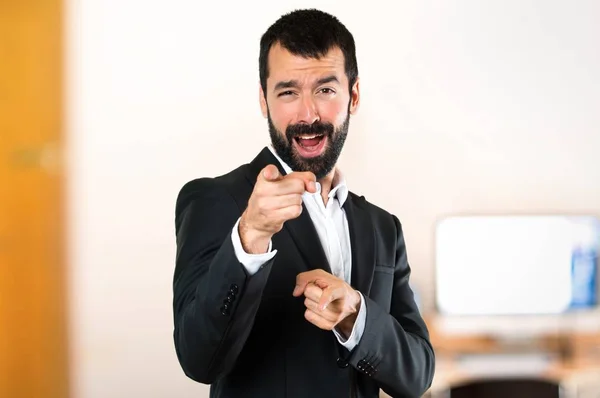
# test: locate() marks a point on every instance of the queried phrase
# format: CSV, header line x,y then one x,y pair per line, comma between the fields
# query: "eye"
x,y
327,90
285,93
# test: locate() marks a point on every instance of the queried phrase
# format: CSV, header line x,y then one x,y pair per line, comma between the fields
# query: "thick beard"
x,y
320,165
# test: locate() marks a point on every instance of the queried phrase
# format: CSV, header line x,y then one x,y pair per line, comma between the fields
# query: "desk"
x,y
570,360
450,373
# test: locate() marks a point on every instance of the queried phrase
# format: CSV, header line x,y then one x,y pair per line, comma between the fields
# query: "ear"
x,y
263,101
355,97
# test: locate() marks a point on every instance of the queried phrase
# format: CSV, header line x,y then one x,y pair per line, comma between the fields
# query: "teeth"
x,y
310,137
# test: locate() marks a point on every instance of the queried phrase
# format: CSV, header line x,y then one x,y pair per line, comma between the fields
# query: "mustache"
x,y
295,130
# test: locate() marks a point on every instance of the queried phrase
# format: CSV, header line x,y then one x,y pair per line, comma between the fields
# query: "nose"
x,y
307,112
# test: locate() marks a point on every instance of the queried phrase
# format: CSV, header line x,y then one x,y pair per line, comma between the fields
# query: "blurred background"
x,y
479,128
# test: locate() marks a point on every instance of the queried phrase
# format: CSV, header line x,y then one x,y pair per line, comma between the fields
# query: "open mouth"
x,y
310,145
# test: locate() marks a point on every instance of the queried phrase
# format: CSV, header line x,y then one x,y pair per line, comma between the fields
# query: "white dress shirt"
x,y
331,224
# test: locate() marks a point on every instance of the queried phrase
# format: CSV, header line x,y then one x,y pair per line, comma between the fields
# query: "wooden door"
x,y
33,349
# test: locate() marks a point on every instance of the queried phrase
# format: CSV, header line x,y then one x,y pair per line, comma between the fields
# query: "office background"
x,y
467,107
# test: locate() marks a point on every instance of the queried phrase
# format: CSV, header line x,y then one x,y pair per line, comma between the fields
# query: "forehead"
x,y
284,65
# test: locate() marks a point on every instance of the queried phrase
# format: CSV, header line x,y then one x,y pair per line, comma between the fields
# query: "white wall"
x,y
467,107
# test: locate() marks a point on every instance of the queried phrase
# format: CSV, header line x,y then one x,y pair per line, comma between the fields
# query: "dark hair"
x,y
311,34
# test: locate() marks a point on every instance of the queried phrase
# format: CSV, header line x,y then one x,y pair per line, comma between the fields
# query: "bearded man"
x,y
287,284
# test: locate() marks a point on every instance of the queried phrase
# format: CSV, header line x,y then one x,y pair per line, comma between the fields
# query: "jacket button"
x,y
228,300
233,289
342,363
224,311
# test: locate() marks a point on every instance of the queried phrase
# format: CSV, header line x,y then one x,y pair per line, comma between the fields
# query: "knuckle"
x,y
297,210
308,315
293,211
277,228
262,205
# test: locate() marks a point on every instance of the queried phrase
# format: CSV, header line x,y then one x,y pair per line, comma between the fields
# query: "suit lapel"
x,y
305,236
362,240
301,229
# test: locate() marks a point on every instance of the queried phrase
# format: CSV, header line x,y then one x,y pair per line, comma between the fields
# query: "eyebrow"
x,y
286,84
294,83
328,79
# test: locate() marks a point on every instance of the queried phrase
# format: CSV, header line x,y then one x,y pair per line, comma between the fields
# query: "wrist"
x,y
345,327
253,240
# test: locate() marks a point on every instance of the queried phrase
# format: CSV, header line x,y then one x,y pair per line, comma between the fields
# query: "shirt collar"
x,y
338,186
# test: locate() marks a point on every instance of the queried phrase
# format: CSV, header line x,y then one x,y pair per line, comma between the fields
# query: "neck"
x,y
326,184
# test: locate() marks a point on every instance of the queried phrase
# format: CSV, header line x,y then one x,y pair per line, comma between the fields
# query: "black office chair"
x,y
506,388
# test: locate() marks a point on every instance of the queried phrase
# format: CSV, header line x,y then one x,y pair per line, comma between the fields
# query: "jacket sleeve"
x,y
215,301
395,350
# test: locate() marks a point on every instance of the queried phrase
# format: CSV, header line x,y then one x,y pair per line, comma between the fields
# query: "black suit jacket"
x,y
247,335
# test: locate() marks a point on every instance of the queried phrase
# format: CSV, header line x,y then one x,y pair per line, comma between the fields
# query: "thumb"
x,y
309,181
271,173
308,178
329,295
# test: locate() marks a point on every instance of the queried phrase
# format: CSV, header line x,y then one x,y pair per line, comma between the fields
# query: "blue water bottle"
x,y
584,272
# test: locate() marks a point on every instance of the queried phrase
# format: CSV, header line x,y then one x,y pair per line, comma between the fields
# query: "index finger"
x,y
270,173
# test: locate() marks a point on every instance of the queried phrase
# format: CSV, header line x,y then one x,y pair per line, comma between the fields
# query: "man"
x,y
286,283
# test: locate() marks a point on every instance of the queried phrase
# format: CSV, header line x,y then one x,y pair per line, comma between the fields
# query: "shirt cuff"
x,y
252,262
357,330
